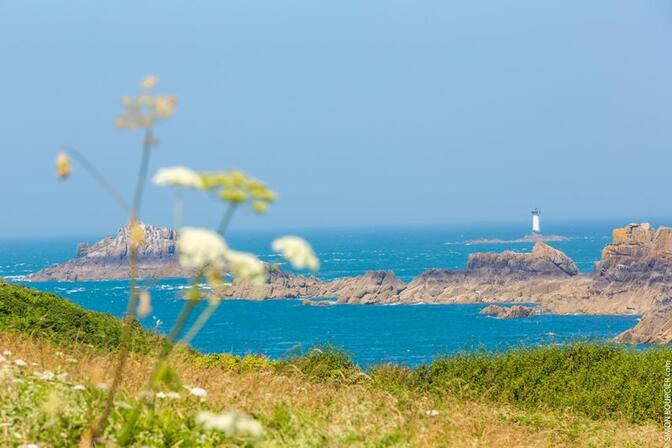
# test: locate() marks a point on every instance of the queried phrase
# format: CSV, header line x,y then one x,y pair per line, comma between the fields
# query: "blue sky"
x,y
356,112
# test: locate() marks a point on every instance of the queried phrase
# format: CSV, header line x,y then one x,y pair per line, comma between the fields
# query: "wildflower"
x,y
178,176
7,353
168,395
28,445
145,110
231,423
2,358
149,82
198,392
245,266
200,248
137,234
297,251
102,386
145,307
63,166
63,376
20,363
235,187
79,387
260,207
46,375
432,413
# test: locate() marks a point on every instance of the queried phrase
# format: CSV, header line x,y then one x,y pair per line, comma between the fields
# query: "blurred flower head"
x,y
137,234
178,176
198,392
231,423
145,305
199,249
246,267
297,251
144,110
63,165
236,188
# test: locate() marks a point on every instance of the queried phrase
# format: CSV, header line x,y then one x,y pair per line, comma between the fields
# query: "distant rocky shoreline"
x,y
531,238
633,277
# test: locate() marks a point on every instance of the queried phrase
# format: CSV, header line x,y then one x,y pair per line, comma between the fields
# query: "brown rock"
x,y
509,312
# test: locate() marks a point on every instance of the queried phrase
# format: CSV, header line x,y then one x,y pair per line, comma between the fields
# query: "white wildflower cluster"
x,y
297,251
178,176
201,248
168,395
197,392
246,266
231,423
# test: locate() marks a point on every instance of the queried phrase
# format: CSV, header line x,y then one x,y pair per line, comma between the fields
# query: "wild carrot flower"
x,y
169,395
79,387
297,251
149,82
245,266
63,165
200,248
178,176
231,423
20,363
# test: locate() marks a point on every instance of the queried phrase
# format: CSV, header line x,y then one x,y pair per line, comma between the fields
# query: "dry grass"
x,y
298,411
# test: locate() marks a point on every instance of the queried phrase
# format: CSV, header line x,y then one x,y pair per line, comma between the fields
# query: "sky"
x,y
357,112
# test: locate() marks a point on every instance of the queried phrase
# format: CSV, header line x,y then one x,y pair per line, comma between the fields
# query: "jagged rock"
x,y
509,312
543,261
372,287
108,258
638,254
655,327
318,302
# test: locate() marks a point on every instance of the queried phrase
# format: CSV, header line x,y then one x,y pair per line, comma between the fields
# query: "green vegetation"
x,y
533,390
28,312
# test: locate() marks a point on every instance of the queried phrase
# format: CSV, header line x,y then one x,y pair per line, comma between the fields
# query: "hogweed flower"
x,y
231,423
178,176
63,165
201,248
297,251
246,267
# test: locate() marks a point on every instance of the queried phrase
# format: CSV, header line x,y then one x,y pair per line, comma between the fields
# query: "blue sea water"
x,y
409,334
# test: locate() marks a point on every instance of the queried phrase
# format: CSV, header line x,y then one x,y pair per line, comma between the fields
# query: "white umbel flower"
x,y
201,248
245,266
297,251
178,176
198,392
231,423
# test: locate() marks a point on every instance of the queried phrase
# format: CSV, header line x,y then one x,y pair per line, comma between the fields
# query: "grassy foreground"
x,y
576,395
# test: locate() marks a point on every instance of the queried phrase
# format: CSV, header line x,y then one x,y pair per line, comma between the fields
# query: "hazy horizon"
x,y
358,114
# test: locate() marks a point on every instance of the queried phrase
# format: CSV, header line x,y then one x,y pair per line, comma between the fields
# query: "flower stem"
x,y
98,177
226,219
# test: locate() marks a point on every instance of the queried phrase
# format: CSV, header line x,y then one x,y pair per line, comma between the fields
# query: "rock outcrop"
x,y
108,258
544,261
655,327
509,312
639,254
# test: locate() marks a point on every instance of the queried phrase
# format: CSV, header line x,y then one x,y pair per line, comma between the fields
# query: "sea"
x,y
372,334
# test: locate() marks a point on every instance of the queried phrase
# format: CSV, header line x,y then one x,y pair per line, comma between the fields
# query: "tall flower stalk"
x,y
203,254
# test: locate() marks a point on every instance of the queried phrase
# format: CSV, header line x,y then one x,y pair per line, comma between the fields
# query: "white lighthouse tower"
x,y
536,222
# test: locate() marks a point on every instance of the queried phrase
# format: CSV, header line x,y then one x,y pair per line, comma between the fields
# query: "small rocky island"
x,y
633,277
108,258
